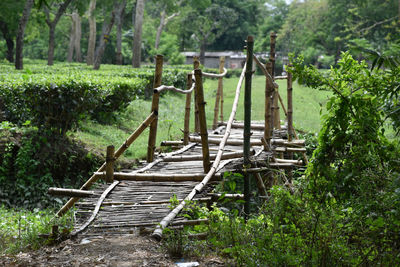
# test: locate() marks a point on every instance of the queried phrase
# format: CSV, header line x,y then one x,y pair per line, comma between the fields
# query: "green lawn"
x,y
307,105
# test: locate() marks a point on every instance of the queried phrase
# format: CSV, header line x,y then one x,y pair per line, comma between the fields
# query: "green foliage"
x,y
30,163
57,98
21,230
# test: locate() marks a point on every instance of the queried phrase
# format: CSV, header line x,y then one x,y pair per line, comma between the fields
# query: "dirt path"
x,y
130,250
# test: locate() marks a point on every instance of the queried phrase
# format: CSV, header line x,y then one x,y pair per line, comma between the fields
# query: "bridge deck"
x,y
145,203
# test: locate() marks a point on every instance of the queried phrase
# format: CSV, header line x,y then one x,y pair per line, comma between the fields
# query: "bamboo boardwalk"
x,y
133,204
140,197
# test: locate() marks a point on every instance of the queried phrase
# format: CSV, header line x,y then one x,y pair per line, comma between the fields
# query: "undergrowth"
x,y
22,230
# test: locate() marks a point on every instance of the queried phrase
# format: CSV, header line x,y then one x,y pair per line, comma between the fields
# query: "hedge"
x,y
57,97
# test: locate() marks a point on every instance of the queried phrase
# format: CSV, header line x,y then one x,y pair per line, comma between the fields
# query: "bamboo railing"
x,y
157,234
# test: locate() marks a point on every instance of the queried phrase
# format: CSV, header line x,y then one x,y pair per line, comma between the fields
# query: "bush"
x,y
30,163
57,98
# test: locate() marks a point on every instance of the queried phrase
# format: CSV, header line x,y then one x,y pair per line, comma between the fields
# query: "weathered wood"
x,y
254,142
202,120
187,111
247,123
69,192
268,123
157,234
154,108
171,143
219,91
239,125
290,110
231,196
119,152
289,149
196,65
158,177
110,164
262,191
185,158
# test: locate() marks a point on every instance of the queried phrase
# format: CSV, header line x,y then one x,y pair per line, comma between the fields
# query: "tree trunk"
x,y
163,22
92,34
20,34
50,51
104,39
78,37
9,41
203,52
71,41
160,29
137,38
119,18
52,28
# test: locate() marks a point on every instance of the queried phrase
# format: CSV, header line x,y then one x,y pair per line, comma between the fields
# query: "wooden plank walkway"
x,y
133,204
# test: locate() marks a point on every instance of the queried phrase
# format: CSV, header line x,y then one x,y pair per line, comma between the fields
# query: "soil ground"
x,y
128,250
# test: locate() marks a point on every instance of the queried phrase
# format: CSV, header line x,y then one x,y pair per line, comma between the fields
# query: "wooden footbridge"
x,y
141,197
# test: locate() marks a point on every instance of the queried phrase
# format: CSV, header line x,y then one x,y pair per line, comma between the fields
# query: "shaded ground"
x,y
130,250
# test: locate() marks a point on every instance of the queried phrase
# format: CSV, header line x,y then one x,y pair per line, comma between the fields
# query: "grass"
x,y
20,229
307,107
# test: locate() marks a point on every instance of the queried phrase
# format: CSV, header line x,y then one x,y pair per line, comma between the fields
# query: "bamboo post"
x,y
110,164
196,65
290,109
202,120
187,111
219,92
277,119
154,107
268,106
247,124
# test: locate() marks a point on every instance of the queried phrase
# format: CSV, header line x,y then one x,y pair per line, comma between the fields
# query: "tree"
x,y
208,23
52,27
119,17
105,36
20,34
75,38
92,33
137,37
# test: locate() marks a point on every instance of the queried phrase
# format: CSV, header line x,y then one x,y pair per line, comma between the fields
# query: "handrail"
x,y
172,88
118,153
157,234
215,75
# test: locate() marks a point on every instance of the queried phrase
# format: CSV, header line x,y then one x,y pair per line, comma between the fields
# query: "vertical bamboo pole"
x,y
247,124
154,107
221,115
196,65
219,91
202,120
268,131
187,111
277,118
290,109
110,164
